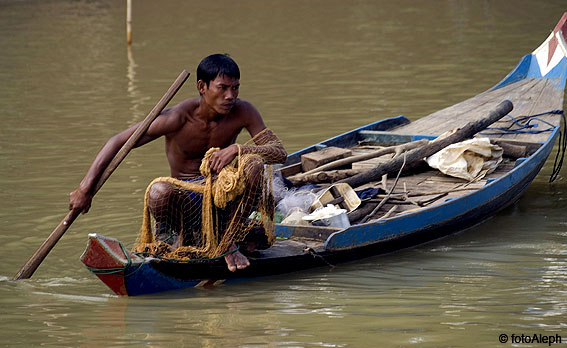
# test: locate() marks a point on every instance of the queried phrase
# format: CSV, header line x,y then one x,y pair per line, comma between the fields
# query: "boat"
x,y
431,205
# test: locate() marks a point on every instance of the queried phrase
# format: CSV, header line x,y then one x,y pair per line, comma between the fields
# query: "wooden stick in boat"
x,y
389,213
320,177
35,260
424,202
416,155
375,210
511,150
418,194
401,195
348,160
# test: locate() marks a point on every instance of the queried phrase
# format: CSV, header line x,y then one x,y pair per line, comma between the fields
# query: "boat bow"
x,y
108,259
548,61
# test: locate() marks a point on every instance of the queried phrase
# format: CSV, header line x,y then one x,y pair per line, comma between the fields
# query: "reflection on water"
x,y
314,69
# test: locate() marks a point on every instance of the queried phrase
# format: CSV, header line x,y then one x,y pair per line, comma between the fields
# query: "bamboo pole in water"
x,y
129,21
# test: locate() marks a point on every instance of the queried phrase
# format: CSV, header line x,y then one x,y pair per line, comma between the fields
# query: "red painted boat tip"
x,y
104,254
562,25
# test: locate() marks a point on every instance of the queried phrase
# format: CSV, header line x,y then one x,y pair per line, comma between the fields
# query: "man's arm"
x,y
168,122
268,145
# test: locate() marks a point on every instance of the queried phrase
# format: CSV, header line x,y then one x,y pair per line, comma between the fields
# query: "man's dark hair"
x,y
217,65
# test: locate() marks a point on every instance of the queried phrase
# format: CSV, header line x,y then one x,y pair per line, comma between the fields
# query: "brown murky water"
x,y
314,69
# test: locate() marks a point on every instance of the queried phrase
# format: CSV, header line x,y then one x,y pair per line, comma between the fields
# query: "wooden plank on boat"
x,y
529,147
313,160
290,170
424,186
310,232
290,247
358,157
513,151
389,137
546,98
530,96
475,107
416,155
370,163
472,109
329,176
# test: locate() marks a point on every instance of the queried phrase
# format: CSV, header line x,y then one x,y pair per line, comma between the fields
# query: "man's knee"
x,y
158,195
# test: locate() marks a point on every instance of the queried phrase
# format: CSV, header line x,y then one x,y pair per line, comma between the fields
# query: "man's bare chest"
x,y
195,138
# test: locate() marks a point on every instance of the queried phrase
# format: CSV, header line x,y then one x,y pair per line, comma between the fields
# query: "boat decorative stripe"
x,y
550,53
119,271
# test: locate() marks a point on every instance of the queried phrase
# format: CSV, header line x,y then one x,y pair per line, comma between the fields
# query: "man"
x,y
214,119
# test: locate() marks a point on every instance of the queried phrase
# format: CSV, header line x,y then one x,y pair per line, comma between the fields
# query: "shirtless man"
x,y
214,119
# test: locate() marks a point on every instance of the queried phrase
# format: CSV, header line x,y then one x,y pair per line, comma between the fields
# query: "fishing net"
x,y
204,217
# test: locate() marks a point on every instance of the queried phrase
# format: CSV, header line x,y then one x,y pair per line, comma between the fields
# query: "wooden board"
x,y
430,184
315,159
530,97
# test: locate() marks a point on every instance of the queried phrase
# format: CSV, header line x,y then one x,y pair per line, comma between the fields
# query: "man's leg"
x,y
177,214
251,197
161,201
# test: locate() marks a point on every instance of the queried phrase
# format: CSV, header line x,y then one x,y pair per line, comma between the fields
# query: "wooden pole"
x,y
419,154
397,149
129,22
35,260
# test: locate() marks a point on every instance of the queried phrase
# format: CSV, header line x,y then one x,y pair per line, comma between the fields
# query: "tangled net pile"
x,y
201,218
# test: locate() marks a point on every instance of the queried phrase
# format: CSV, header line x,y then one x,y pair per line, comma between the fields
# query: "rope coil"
x,y
516,121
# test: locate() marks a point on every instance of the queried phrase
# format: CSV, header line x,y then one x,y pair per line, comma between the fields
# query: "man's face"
x,y
221,94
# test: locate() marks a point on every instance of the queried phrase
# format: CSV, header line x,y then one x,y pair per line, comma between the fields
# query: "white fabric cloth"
x,y
470,159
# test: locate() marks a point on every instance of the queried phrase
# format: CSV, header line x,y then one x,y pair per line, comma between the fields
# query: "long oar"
x,y
35,260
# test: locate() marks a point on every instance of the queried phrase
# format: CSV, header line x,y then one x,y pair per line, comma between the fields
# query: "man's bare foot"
x,y
236,261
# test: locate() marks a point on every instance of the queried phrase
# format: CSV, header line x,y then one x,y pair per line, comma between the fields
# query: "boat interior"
x,y
519,134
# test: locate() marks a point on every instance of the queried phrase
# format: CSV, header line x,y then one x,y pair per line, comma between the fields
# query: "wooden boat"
x,y
447,205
